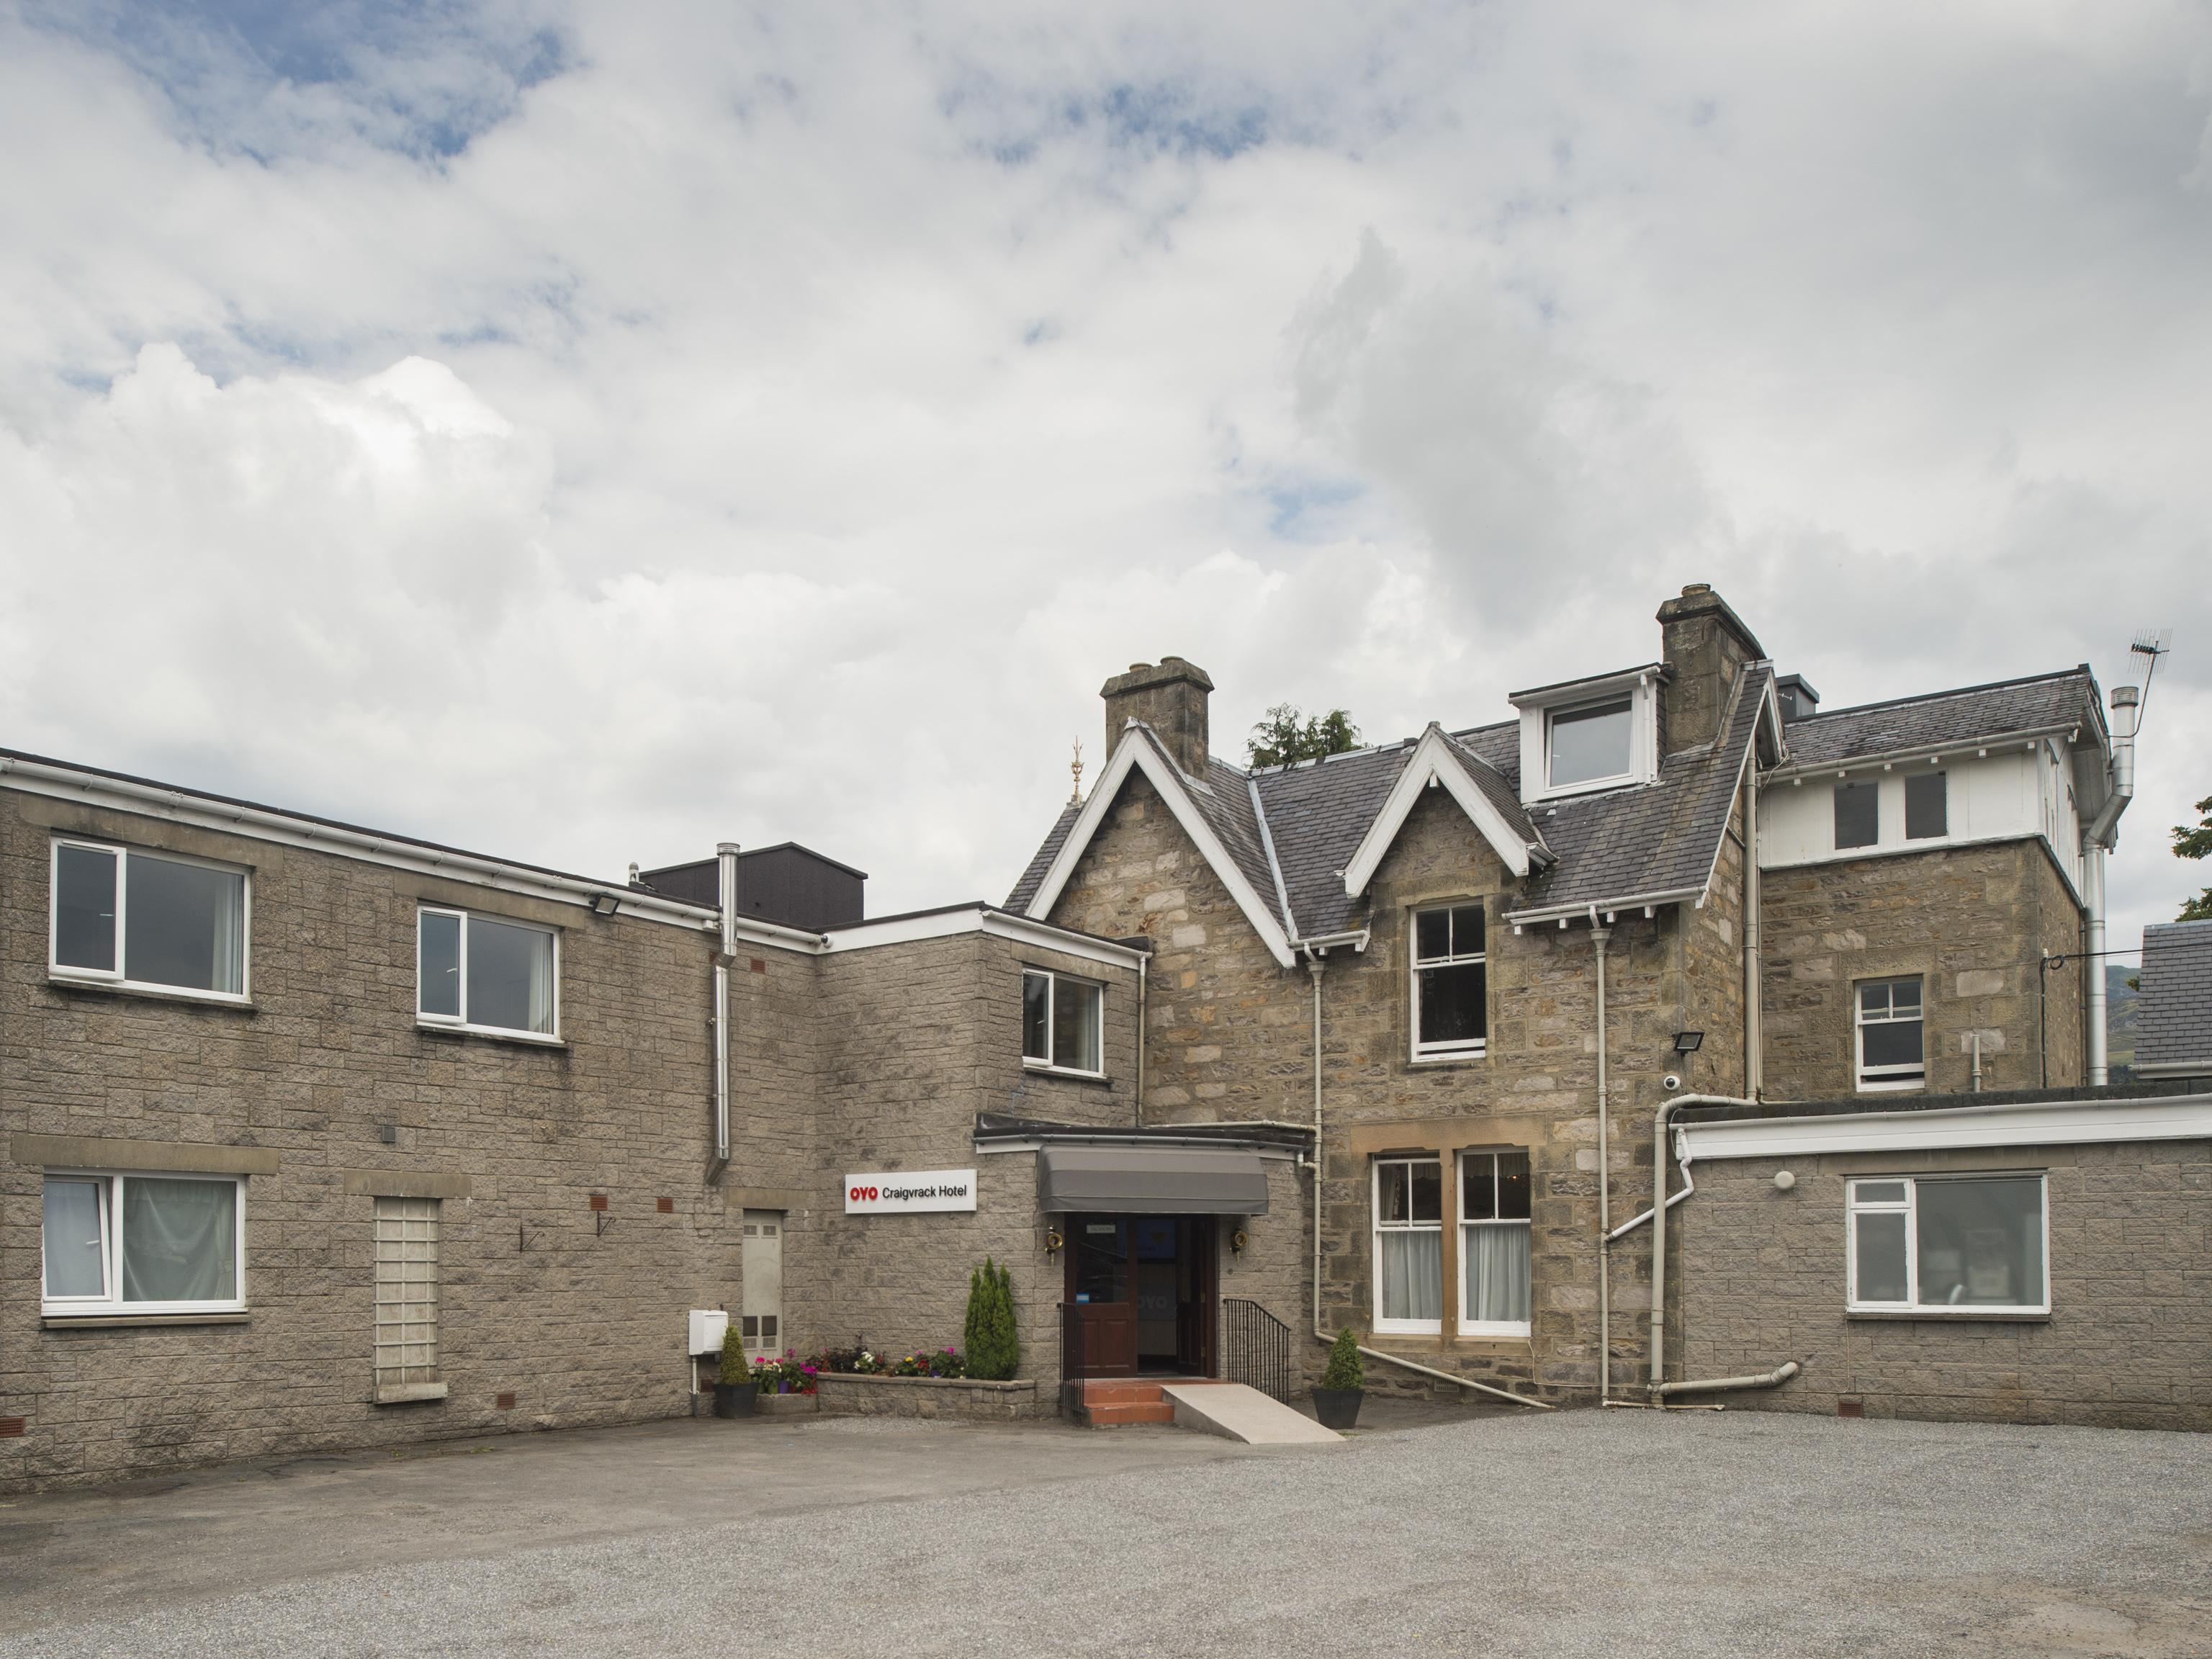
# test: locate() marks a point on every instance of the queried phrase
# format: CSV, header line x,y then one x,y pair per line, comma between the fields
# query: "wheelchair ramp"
x,y
1237,1413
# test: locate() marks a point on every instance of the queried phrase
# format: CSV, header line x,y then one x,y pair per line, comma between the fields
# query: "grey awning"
x,y
1151,1181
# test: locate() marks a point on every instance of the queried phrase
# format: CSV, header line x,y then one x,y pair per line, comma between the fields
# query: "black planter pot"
x,y
1338,1408
735,1399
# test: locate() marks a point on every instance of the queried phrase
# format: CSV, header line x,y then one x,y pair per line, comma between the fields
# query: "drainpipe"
x,y
1754,1068
1143,983
1599,938
1661,1388
725,855
2096,841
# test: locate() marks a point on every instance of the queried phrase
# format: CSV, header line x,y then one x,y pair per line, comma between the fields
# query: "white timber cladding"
x,y
2054,1123
1433,761
406,1291
1137,751
2007,790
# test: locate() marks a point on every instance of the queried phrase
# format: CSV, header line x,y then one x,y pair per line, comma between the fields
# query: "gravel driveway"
x,y
1575,1533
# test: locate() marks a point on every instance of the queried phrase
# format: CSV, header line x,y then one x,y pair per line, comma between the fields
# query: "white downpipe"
x,y
1600,937
1447,1376
725,855
2093,871
1144,987
1754,1038
1660,1387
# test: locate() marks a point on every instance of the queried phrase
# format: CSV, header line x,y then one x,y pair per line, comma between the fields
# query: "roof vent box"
x,y
1797,696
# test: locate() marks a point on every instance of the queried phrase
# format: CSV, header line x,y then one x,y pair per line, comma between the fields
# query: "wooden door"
x,y
1101,1304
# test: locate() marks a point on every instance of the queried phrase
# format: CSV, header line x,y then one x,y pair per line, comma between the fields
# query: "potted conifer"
x,y
993,1343
734,1388
1343,1384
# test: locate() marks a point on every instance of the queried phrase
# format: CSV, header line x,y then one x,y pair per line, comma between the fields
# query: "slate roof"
x,y
2042,702
2174,1022
1621,845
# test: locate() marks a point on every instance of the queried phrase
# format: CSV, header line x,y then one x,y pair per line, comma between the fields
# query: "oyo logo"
x,y
860,1195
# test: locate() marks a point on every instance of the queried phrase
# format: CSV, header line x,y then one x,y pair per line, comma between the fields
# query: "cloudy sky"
x,y
585,431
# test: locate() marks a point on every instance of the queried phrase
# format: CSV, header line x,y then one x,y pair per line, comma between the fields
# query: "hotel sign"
x,y
910,1192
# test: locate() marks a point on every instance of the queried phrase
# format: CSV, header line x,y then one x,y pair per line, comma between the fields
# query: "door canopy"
x,y
1150,1181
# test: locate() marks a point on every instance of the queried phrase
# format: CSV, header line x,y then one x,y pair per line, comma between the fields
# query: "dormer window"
x,y
1588,745
1586,735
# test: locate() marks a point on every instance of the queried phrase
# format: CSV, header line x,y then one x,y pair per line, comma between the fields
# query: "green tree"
x,y
2196,843
993,1346
1283,737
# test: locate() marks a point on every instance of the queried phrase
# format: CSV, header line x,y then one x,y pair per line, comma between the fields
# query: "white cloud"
x,y
586,433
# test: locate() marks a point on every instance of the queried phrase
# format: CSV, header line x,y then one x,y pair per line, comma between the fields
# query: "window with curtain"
x,y
486,975
1409,1292
118,1244
139,919
1063,1022
1494,1243
1954,1242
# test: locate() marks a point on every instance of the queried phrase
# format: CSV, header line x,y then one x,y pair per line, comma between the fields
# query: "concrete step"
x,y
1237,1413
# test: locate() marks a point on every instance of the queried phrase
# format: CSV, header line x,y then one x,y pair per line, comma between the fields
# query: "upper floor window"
x,y
1858,814
1062,1020
1409,1221
1965,1241
1451,1002
125,917
479,974
1927,806
1494,1243
141,1243
1892,1047
1590,745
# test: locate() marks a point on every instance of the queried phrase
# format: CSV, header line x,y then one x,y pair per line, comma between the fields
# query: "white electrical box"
x,y
708,1327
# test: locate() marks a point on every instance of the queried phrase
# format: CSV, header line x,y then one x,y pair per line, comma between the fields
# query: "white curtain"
x,y
226,965
1497,1273
1413,1274
541,985
180,1240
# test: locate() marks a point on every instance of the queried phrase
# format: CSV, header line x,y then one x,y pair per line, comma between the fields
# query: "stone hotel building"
x,y
1670,1036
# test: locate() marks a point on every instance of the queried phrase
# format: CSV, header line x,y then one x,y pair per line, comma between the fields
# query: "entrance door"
x,y
1102,1309
1139,1296
761,1322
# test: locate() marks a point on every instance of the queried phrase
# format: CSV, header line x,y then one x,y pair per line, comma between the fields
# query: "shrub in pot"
x,y
993,1345
1343,1384
734,1388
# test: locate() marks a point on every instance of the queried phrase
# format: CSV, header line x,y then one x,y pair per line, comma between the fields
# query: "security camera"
x,y
1670,1082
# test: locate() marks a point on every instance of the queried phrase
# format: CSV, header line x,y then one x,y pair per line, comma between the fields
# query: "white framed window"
x,y
406,1333
1890,1036
148,921
1409,1236
1063,1022
1590,746
142,1243
1940,1244
1450,983
477,973
1494,1253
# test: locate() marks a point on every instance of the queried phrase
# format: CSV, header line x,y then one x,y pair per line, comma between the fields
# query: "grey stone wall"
x,y
1971,921
580,1317
1762,1280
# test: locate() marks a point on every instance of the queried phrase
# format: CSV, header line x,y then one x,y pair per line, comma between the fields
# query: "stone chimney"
x,y
1171,699
1705,646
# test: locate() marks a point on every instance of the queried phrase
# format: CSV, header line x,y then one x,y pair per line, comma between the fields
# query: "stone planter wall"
x,y
787,1405
927,1396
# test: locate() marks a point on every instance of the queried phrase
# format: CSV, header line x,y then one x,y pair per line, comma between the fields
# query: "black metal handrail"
x,y
1255,1348
1070,1341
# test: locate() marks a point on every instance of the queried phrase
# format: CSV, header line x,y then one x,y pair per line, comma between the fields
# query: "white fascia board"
x,y
1582,909
256,824
1549,696
1135,752
2042,1123
1432,757
978,919
1792,770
